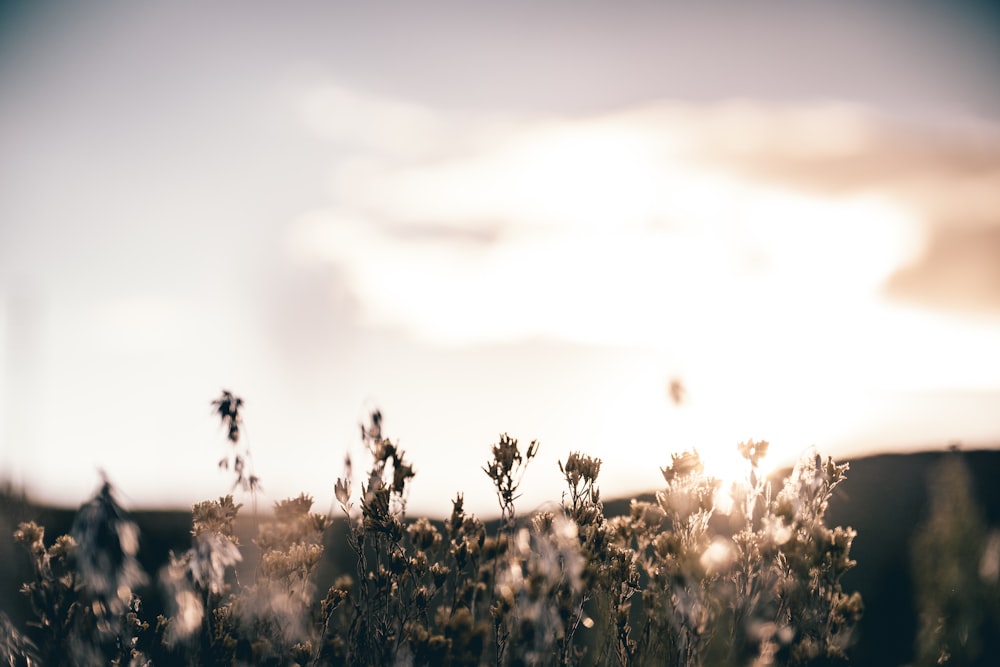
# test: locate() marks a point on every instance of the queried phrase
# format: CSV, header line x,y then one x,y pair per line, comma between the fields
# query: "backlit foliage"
x,y
701,575
956,566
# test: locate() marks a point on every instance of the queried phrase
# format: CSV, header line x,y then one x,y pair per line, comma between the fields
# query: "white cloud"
x,y
612,229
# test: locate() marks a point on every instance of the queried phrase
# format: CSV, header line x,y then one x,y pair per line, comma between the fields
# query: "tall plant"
x,y
668,584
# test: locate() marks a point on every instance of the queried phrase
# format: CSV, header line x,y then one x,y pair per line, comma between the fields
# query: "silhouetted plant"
x,y
566,586
955,580
228,408
83,591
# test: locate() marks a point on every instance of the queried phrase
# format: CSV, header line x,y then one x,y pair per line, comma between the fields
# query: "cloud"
x,y
948,169
945,171
619,228
959,270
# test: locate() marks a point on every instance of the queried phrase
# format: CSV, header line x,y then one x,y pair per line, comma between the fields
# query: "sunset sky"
x,y
480,218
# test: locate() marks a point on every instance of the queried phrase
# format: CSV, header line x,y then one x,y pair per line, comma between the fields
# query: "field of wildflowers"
x,y
702,575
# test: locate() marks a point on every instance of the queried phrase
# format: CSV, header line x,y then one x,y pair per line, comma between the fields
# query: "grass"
x,y
662,585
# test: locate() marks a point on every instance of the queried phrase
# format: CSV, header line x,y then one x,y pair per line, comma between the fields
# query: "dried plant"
x,y
569,586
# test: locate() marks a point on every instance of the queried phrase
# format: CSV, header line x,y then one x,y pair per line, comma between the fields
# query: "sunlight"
x,y
598,231
763,296
724,405
792,414
620,287
723,461
584,178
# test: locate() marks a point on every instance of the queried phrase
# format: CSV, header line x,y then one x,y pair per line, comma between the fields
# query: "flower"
x,y
107,543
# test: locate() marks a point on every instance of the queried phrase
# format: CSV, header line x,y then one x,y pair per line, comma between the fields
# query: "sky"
x,y
483,218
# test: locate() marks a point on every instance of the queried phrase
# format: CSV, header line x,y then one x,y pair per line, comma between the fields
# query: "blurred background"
x,y
627,229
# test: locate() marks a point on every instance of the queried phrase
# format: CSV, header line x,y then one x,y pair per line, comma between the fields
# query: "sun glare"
x,y
762,296
584,178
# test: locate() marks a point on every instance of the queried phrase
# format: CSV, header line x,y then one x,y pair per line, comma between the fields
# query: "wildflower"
x,y
342,488
373,432
580,468
337,595
753,451
213,516
401,472
107,543
423,534
210,556
427,594
439,573
506,469
228,407
185,606
682,465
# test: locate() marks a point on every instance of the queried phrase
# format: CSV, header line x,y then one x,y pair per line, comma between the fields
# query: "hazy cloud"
x,y
614,228
595,227
947,173
959,270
